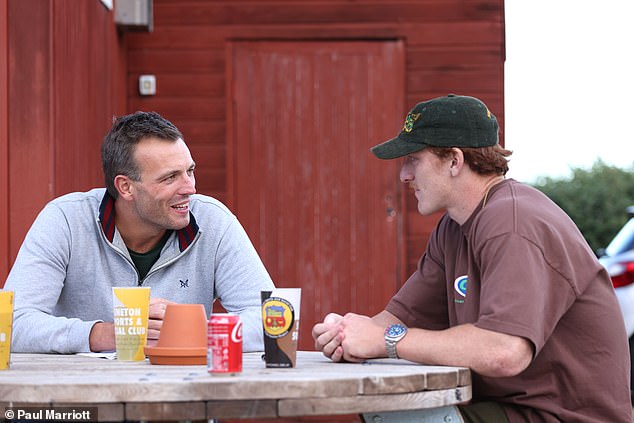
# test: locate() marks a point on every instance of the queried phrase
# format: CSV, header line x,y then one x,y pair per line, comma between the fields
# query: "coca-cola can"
x,y
224,344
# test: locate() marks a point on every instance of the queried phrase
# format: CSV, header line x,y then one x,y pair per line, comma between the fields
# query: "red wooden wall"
x,y
452,46
4,144
64,65
64,72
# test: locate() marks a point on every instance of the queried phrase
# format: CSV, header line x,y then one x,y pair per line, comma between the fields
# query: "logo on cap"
x,y
409,121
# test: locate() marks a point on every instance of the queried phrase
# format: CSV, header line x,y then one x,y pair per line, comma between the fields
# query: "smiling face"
x,y
428,175
161,196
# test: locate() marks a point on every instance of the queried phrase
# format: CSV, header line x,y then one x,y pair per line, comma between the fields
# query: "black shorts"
x,y
483,412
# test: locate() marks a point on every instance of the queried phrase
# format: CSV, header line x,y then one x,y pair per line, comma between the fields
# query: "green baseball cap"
x,y
451,121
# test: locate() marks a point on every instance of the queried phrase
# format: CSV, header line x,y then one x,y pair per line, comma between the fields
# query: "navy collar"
x,y
106,218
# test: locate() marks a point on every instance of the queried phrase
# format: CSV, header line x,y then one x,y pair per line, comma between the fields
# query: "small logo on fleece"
x,y
185,283
460,285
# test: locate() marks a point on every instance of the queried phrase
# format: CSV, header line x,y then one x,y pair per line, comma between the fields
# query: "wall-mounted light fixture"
x,y
135,15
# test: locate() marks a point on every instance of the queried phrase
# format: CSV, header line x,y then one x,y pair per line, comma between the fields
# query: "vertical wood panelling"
x,y
4,143
82,83
62,55
451,46
66,80
30,155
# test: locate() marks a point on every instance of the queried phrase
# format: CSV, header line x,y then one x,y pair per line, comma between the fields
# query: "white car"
x,y
618,259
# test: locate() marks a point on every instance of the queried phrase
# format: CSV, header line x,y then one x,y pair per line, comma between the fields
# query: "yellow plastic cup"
x,y
6,323
131,307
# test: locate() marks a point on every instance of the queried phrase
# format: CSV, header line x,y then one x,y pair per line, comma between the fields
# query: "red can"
x,y
224,344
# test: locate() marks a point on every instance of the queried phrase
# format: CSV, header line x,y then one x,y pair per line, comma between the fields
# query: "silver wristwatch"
x,y
392,335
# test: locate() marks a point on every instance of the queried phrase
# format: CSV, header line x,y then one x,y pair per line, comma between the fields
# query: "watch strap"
x,y
390,346
393,334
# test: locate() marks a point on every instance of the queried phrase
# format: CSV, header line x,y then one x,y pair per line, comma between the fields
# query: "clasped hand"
x,y
352,337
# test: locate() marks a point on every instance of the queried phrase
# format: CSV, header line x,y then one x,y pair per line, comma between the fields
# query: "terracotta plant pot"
x,y
183,338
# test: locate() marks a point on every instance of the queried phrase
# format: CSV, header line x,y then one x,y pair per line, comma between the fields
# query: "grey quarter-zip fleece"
x,y
73,255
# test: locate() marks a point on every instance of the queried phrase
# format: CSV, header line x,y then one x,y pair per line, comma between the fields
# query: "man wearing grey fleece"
x,y
147,228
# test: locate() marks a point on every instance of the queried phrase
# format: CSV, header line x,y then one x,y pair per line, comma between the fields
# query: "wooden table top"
x,y
142,391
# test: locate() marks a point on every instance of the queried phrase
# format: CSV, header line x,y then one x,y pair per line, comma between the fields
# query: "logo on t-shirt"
x,y
460,285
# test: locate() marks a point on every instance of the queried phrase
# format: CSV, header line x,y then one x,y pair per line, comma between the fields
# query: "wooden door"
x,y
322,211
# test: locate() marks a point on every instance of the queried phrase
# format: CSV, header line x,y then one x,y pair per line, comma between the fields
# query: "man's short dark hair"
x,y
120,142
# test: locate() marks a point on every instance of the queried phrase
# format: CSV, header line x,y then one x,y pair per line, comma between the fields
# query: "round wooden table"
x,y
142,391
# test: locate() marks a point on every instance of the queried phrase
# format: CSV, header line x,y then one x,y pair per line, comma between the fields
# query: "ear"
x,y
456,161
124,186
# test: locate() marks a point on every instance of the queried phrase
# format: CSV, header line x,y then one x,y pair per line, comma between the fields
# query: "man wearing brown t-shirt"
x,y
507,285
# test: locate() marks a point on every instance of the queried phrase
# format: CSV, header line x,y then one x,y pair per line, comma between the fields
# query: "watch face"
x,y
395,331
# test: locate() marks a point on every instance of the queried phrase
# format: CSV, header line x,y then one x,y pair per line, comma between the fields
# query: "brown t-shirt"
x,y
520,266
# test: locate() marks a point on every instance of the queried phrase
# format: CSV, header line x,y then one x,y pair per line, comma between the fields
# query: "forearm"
x,y
486,352
38,332
385,318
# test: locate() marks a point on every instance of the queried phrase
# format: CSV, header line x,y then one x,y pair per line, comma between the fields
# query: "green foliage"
x,y
595,199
